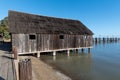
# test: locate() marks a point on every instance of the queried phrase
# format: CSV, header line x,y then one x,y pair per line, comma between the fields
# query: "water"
x,y
103,63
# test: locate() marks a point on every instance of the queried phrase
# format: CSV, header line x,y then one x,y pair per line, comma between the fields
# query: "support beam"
x,y
38,54
68,52
54,53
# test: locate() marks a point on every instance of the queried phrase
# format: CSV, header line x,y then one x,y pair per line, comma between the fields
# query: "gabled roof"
x,y
28,23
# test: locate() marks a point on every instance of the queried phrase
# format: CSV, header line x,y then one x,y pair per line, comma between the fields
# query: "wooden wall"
x,y
23,44
45,42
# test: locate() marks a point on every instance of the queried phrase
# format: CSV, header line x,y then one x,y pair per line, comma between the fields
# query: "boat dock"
x,y
7,69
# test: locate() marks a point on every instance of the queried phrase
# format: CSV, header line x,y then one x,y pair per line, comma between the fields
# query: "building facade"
x,y
35,33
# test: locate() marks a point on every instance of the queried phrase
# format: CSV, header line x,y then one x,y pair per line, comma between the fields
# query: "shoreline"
x,y
43,71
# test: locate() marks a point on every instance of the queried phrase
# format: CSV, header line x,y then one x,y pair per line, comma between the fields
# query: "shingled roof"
x,y
28,23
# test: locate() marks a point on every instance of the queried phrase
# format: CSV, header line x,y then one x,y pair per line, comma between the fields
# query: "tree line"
x,y
4,28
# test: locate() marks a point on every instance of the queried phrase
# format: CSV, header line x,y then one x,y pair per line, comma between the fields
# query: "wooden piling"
x,y
68,52
14,51
54,53
25,69
96,40
88,50
38,54
82,50
104,39
77,50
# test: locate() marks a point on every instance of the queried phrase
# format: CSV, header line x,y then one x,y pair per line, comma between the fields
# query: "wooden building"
x,y
35,33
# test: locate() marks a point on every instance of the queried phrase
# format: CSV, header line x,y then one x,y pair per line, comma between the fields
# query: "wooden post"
x,y
54,53
68,52
116,39
15,52
25,70
77,50
38,54
107,39
88,50
104,40
96,40
99,40
82,50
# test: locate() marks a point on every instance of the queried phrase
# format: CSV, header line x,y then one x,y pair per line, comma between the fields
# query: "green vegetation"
x,y
4,28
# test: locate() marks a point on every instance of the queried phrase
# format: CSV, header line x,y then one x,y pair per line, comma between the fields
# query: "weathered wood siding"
x,y
53,42
46,42
23,43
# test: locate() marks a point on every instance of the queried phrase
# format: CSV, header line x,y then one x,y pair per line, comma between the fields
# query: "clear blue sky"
x,y
101,16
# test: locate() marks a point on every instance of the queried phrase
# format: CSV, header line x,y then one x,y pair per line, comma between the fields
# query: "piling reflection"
x,y
54,58
79,63
86,59
104,41
82,64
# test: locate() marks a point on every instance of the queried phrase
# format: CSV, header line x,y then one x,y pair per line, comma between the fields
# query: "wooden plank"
x,y
6,69
10,71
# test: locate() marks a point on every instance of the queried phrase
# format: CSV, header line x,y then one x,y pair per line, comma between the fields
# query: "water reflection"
x,y
54,58
101,64
78,63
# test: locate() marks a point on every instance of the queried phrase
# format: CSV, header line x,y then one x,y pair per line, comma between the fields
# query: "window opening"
x,y
32,37
61,36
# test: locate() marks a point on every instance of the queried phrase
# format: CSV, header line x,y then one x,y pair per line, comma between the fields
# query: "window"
x,y
32,37
61,36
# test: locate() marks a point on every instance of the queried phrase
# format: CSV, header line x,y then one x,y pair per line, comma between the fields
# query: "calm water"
x,y
103,63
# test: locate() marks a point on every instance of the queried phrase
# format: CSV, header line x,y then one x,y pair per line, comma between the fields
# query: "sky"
x,y
100,16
